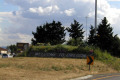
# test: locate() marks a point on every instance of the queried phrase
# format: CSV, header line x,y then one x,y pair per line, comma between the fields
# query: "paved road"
x,y
115,76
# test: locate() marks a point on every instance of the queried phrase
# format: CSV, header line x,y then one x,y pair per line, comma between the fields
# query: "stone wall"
x,y
58,55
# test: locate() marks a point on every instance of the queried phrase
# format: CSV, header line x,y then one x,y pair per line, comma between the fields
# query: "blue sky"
x,y
5,7
115,4
18,18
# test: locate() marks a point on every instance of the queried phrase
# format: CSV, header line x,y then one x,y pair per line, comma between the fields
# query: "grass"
x,y
55,49
106,58
23,68
60,69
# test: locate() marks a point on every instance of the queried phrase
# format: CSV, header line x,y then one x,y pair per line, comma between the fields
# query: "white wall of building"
x,y
5,52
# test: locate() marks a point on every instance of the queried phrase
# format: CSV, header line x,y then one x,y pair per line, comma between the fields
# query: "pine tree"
x,y
76,30
91,38
115,48
104,35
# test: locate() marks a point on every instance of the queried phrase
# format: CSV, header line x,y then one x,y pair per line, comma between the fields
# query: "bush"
x,y
43,44
107,58
60,49
74,42
102,55
20,55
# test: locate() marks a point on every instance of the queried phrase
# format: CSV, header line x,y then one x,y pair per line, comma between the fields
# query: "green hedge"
x,y
61,48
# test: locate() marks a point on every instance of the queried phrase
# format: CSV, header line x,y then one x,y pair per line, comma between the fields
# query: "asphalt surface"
x,y
115,76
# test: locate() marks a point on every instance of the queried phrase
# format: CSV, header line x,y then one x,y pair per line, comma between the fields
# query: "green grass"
x,y
56,48
108,59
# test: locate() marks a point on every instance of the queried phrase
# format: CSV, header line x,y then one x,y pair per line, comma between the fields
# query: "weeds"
x,y
70,67
56,68
4,65
106,58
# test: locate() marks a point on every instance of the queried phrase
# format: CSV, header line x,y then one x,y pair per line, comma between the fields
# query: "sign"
x,y
90,60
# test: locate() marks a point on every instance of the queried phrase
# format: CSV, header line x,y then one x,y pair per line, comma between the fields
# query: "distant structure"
x,y
22,46
3,51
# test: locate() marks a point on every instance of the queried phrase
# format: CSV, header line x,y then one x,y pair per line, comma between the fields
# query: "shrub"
x,y
74,42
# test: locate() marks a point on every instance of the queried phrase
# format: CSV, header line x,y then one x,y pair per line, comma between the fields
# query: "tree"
x,y
76,30
104,36
53,33
115,48
13,48
91,38
39,35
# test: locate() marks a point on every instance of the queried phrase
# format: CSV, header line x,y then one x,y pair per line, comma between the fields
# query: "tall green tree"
x,y
104,36
76,30
13,48
39,35
91,38
53,33
115,48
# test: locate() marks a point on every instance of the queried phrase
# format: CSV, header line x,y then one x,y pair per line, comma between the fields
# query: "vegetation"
x,y
104,38
91,38
61,48
103,53
76,32
74,42
99,54
53,33
107,58
23,68
13,48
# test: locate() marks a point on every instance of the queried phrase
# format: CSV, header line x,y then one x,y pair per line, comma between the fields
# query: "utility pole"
x,y
86,27
95,16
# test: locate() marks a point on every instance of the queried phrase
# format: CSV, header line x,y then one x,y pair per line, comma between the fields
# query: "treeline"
x,y
54,33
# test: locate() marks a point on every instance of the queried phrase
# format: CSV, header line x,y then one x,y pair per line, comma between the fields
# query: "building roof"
x,y
2,49
22,43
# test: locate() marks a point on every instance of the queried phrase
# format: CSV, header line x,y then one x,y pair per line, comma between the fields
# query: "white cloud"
x,y
69,12
33,13
7,39
44,11
33,10
113,0
24,37
0,29
1,19
84,1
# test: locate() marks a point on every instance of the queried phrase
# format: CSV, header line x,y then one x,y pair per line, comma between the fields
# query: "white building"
x,y
3,51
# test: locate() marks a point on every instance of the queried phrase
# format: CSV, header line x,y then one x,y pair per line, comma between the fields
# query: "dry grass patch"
x,y
47,68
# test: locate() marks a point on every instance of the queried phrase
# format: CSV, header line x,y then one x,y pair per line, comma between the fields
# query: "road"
x,y
115,76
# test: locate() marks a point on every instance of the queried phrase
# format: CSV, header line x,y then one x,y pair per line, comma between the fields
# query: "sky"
x,y
18,18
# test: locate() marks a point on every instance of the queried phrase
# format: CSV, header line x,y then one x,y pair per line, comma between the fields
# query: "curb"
x,y
83,78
